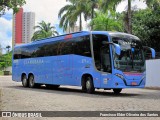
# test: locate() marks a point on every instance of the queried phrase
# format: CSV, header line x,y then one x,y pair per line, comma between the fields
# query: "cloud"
x,y
46,10
122,6
5,32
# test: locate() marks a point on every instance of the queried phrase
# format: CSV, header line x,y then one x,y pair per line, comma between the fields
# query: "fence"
x,y
153,73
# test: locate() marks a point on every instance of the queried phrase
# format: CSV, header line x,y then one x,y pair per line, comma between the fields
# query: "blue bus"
x,y
90,59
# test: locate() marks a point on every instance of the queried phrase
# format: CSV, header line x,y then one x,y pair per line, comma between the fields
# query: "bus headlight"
x,y
120,76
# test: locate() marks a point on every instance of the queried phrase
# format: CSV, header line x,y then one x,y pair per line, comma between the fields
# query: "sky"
x,y
46,10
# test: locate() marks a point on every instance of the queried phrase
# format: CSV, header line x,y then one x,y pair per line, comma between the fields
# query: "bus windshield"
x,y
132,56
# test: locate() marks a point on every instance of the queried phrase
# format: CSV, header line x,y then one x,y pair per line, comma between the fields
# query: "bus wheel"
x,y
89,85
117,91
24,81
31,81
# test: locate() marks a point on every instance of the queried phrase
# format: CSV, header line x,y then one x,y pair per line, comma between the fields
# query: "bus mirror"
x,y
153,53
117,47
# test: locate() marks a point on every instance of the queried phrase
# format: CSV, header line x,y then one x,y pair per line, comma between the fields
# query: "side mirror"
x,y
153,53
116,46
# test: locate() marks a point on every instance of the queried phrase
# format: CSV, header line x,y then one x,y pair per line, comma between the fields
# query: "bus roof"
x,y
75,34
55,38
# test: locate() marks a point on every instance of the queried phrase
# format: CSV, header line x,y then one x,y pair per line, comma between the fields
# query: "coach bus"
x,y
90,59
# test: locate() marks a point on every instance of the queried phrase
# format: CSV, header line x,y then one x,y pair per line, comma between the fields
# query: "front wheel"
x,y
31,81
89,85
117,91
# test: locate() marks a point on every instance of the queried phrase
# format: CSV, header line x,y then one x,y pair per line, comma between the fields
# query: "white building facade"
x,y
28,24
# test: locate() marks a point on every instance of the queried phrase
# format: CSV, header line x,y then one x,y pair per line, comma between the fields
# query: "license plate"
x,y
133,83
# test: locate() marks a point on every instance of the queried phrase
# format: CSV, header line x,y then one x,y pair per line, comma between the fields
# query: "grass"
x,y
1,73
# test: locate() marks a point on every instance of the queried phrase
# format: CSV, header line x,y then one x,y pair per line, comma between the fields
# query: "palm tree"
x,y
44,30
106,22
111,4
66,15
71,12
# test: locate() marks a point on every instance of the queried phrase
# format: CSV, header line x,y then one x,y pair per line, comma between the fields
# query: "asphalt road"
x,y
14,97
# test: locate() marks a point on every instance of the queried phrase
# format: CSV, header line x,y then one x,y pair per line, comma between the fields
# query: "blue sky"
x,y
46,10
8,16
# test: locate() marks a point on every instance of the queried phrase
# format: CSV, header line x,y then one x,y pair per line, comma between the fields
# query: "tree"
x,y
106,22
152,3
6,60
66,15
111,4
10,4
105,5
0,50
44,30
146,25
70,13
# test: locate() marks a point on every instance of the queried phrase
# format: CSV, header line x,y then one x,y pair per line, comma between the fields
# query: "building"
x,y
23,27
28,24
17,27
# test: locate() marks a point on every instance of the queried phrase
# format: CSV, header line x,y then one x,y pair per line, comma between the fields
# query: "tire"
x,y
84,88
31,81
89,85
117,91
24,81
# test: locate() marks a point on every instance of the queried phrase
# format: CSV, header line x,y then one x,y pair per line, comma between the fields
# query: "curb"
x,y
153,88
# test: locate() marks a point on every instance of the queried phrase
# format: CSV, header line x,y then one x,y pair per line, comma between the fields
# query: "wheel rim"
x,y
31,81
24,81
88,85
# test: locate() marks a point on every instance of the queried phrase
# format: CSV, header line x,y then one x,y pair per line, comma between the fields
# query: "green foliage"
x,y
146,25
1,72
5,60
106,22
67,17
10,4
44,30
75,10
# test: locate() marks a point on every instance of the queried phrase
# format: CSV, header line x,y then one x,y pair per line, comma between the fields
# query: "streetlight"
x,y
8,47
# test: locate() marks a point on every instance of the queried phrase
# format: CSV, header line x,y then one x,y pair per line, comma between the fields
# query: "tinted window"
x,y
79,46
17,53
82,46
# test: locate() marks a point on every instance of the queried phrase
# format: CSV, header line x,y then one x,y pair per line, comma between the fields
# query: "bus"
x,y
89,59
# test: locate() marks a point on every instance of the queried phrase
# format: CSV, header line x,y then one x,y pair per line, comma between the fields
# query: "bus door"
x,y
106,76
102,58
